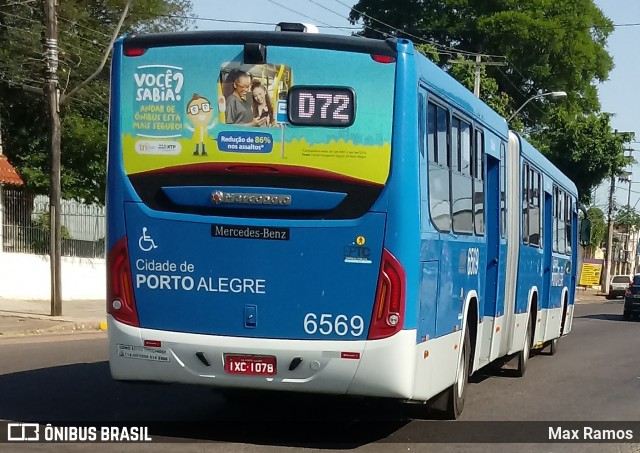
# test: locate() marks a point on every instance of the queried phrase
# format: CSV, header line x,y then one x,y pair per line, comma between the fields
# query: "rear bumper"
x,y
385,368
631,305
617,292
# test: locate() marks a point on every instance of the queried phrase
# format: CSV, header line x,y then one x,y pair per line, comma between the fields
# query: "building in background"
x,y
625,251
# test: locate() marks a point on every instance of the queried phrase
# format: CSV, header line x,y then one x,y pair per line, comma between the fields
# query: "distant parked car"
x,y
618,286
632,299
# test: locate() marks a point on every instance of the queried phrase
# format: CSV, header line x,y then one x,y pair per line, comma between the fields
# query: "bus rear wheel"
x,y
457,392
523,356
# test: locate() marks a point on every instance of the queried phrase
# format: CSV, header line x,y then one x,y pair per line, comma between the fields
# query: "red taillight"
x,y
120,300
383,58
627,292
388,310
134,51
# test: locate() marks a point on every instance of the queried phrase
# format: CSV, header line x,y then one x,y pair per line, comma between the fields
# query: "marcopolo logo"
x,y
219,197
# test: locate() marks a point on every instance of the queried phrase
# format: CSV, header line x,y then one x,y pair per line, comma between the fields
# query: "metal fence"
x,y
25,225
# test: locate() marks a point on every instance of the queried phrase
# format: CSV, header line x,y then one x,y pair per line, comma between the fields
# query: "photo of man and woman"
x,y
248,94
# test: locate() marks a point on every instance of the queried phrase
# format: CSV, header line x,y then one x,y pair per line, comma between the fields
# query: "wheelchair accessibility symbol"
x,y
146,242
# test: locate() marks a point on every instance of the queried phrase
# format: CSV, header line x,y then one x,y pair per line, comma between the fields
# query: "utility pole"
x,y
478,70
607,259
50,47
476,79
627,266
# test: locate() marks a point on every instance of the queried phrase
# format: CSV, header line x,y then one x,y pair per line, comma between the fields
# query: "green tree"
x,y
549,44
584,148
85,30
627,217
598,227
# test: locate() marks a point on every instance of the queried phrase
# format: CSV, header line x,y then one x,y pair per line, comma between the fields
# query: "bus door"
x,y
492,232
547,239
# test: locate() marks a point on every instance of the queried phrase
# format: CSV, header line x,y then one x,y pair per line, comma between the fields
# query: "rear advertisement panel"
x,y
315,108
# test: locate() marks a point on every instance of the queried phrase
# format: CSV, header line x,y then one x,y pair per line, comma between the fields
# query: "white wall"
x,y
24,276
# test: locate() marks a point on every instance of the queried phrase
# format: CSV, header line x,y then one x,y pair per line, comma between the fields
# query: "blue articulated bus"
x,y
325,214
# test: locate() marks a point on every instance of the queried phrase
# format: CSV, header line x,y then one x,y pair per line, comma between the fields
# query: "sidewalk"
x,y
33,317
586,295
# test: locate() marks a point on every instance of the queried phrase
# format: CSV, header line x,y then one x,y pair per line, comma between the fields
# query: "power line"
x,y
328,9
10,27
424,40
4,13
249,22
82,38
300,14
524,96
345,17
385,24
78,49
75,23
22,3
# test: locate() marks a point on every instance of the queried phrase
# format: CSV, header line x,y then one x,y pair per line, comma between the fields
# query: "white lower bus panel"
x,y
385,368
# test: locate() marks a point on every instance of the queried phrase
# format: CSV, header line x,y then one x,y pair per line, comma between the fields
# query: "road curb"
x,y
62,327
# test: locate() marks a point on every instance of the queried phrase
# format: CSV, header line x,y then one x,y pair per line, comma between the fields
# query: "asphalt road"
x,y
594,376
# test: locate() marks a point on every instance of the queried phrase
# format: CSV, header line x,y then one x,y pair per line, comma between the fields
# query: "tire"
x,y
626,316
523,356
458,391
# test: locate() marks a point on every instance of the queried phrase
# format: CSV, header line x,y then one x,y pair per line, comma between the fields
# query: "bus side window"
x,y
561,221
478,183
567,218
461,182
422,123
439,201
525,203
534,207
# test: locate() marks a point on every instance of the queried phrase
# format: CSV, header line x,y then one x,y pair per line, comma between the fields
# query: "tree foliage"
x,y
598,227
85,29
627,217
584,148
548,45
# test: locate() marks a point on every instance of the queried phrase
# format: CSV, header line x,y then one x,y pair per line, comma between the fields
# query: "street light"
x,y
551,94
